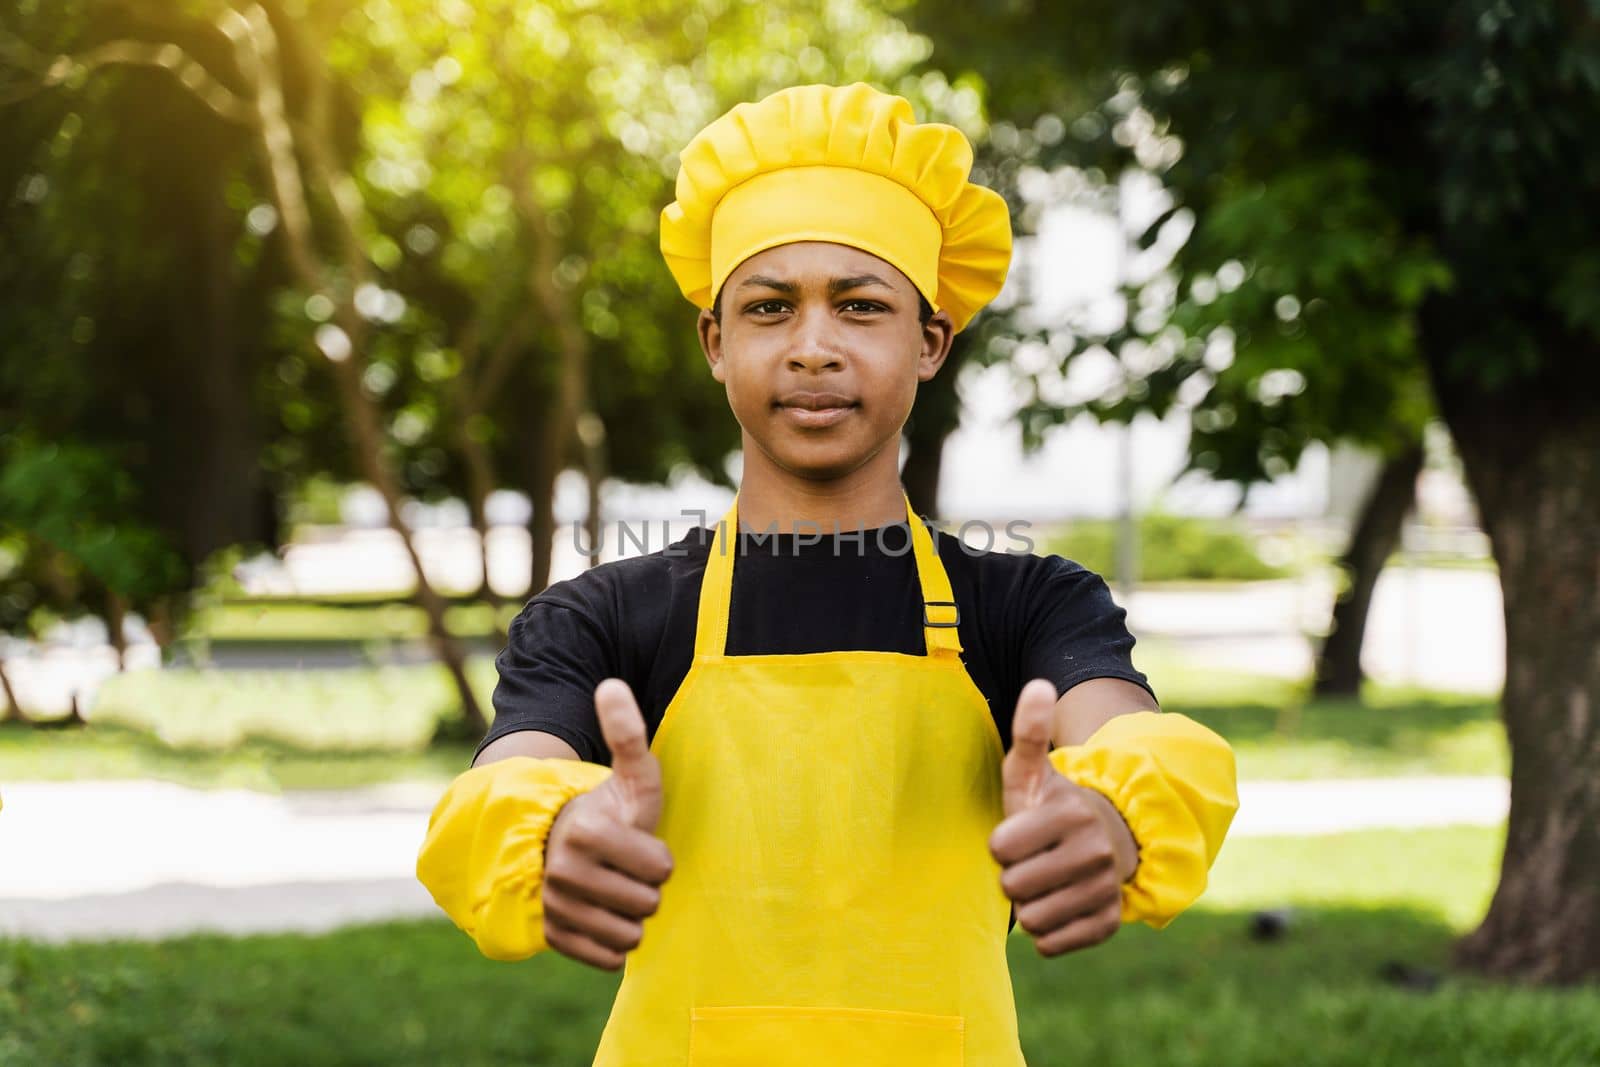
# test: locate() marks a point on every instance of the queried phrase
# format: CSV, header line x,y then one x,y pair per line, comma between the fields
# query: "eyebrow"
x,y
842,285
761,281
835,287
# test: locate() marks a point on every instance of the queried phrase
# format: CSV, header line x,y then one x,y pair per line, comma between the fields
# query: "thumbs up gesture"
x,y
604,866
1064,850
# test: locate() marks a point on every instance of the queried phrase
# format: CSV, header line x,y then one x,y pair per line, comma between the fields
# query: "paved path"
x,y
94,860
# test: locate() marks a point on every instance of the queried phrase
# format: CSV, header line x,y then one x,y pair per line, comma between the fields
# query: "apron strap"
x,y
716,588
940,614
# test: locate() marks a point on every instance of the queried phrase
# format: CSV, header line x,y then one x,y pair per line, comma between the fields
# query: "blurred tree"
x,y
520,155
69,546
1384,200
314,204
123,339
461,201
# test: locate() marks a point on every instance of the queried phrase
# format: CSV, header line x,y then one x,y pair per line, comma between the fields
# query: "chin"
x,y
818,464
820,469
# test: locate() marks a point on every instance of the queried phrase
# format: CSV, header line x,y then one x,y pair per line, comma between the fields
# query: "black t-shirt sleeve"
x,y
1074,631
556,653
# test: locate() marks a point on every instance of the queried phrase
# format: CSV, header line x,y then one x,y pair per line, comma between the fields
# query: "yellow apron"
x,y
833,900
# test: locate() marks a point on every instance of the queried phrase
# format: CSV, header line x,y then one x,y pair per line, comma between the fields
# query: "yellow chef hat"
x,y
846,164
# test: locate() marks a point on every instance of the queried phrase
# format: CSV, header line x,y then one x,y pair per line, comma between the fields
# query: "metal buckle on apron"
x,y
926,604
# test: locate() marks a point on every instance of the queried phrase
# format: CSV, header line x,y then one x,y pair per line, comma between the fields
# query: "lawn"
x,y
1201,993
322,728
351,620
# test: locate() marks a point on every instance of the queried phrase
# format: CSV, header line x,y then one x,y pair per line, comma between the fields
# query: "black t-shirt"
x,y
1021,617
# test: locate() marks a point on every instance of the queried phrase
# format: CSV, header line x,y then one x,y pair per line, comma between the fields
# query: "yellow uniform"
x,y
833,899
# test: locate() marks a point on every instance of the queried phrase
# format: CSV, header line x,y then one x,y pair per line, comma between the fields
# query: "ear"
x,y
711,343
938,333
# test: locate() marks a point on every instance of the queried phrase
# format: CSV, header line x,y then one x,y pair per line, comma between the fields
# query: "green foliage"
x,y
1196,994
1172,548
1353,198
75,500
70,538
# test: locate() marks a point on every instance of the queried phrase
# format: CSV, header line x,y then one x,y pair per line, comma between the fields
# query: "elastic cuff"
x,y
483,856
1175,784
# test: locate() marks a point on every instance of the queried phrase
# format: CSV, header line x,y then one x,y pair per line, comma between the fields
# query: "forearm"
x,y
482,858
1174,784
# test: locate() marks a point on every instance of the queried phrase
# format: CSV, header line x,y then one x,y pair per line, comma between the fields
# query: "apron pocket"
x,y
837,1037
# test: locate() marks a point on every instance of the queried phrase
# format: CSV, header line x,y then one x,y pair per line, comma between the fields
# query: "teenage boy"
x,y
811,836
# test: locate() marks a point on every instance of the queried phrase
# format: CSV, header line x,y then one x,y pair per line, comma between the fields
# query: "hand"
x,y
603,865
1064,850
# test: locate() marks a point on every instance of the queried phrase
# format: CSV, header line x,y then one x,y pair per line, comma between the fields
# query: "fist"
x,y
1063,849
603,865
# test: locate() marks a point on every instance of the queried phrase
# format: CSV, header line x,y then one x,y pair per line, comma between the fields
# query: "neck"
x,y
867,497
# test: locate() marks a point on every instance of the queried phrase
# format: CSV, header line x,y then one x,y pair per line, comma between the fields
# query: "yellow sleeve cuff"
x,y
483,856
1176,786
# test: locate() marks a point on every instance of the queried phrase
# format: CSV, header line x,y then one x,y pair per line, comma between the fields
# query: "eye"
x,y
860,306
766,307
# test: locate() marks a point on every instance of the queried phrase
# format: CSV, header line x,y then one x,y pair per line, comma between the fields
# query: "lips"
x,y
815,410
815,401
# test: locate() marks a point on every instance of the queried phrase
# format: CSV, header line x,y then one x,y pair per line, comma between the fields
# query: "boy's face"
x,y
821,348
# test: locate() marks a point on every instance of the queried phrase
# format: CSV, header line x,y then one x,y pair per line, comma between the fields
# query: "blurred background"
x,y
332,330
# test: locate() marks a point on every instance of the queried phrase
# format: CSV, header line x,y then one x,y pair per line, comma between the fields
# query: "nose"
x,y
815,347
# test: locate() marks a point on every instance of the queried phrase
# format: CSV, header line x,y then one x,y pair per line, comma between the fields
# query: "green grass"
x,y
1199,994
325,728
1447,874
1277,733
112,752
260,729
309,622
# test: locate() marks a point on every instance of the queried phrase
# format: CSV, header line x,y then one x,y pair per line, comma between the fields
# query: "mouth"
x,y
814,410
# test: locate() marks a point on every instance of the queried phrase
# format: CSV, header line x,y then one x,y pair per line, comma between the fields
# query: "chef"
x,y
799,772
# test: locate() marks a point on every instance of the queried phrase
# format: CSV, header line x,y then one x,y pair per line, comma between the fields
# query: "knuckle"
x,y
554,901
581,831
559,870
1071,809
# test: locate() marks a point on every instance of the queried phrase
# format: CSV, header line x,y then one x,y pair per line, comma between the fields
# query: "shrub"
x,y
1170,548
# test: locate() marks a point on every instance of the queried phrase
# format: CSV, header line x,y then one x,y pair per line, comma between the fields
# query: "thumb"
x,y
634,767
1028,762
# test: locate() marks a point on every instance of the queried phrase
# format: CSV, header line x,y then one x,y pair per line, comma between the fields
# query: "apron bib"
x,y
833,900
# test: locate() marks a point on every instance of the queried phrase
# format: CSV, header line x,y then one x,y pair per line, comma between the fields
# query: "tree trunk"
x,y
1535,468
1376,534
366,437
480,483
934,417
539,472
116,628
286,153
592,436
12,711
571,423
